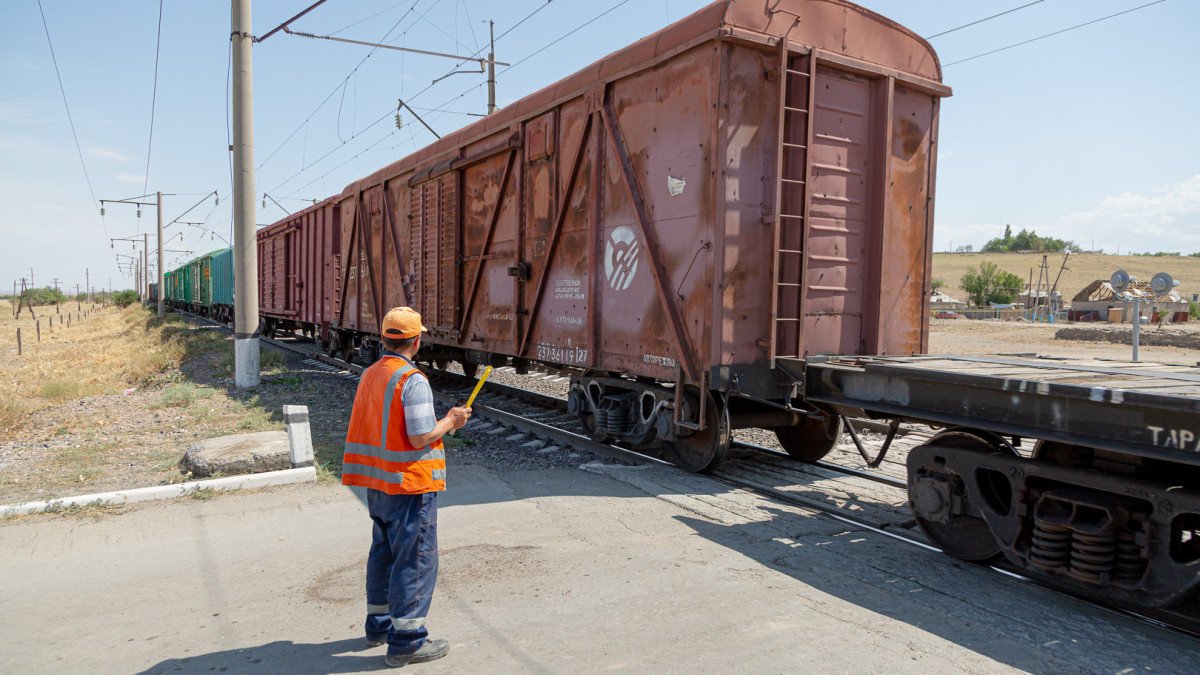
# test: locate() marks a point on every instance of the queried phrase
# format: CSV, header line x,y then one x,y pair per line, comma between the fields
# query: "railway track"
x,y
756,468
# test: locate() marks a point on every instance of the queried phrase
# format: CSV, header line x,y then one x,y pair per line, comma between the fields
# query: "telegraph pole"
x,y
491,67
245,259
87,279
162,307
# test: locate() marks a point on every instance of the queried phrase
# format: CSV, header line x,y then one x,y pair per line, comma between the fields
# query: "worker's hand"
x,y
459,416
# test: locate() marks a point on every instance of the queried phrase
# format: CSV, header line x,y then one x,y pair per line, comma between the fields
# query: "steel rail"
x,y
1165,619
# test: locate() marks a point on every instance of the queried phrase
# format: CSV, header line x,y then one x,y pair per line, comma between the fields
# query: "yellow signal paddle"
x,y
478,385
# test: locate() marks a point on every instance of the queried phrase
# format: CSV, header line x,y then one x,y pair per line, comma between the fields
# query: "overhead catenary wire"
x,y
391,111
986,18
70,119
339,86
469,90
441,108
153,100
1057,32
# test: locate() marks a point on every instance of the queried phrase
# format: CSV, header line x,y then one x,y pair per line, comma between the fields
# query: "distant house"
x,y
939,301
1043,299
1097,298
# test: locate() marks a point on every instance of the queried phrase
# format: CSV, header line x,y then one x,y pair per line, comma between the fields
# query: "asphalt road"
x,y
547,570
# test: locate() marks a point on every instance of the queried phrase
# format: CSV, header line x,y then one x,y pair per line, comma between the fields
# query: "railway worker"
x,y
394,449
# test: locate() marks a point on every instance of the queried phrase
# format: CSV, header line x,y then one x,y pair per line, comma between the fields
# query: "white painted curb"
x,y
306,474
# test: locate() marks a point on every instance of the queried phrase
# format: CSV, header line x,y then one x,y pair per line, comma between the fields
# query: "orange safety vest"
x,y
378,454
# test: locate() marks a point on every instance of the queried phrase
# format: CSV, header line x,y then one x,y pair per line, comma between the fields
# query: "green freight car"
x,y
221,284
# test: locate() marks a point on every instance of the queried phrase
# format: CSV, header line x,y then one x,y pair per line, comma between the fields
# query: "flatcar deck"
x,y
1149,410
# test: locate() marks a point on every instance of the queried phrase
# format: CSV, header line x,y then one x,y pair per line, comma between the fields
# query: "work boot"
x,y
373,641
430,651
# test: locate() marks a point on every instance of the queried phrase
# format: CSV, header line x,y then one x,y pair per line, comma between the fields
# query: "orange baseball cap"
x,y
402,323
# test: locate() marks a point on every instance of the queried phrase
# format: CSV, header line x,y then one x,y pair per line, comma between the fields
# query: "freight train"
x,y
729,224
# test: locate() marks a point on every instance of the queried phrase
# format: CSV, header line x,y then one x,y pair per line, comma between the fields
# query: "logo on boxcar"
x,y
621,256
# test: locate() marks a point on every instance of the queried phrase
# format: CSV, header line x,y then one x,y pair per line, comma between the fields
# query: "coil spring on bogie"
x,y
612,415
617,420
1092,556
1050,546
1130,563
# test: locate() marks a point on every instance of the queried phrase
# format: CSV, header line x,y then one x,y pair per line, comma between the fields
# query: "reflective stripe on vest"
x,y
381,457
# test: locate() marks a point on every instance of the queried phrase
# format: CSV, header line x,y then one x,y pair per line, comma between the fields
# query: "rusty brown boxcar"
x,y
682,223
298,260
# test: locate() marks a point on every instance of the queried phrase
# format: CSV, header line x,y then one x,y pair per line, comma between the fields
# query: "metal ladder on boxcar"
x,y
797,72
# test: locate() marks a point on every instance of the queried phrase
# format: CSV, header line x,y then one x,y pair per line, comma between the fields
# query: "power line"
x,y
341,84
978,21
469,90
391,111
441,108
382,11
70,119
153,99
1057,32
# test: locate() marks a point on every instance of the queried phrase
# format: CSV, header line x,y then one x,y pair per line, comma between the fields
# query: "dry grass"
x,y
106,352
1082,270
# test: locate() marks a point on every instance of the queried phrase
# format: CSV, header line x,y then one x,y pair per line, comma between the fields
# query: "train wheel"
x,y
813,439
963,536
704,450
469,369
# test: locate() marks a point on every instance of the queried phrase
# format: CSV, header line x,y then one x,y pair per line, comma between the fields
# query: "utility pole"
x,y
491,67
162,307
245,258
87,278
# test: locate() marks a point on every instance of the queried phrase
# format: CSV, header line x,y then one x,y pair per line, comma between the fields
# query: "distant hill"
x,y
1083,268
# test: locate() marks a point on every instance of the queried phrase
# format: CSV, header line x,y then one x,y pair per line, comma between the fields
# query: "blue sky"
x,y
1091,134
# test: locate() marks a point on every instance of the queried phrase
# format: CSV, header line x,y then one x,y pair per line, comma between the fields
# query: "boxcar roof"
x,y
835,26
269,230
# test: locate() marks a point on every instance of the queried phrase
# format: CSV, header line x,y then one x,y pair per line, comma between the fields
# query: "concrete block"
x,y
240,453
299,435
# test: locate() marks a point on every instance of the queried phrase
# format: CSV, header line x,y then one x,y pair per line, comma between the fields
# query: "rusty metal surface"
x,y
627,218
298,261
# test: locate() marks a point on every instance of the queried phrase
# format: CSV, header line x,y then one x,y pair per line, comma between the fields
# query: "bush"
x,y
124,298
1027,240
43,296
990,285
1194,310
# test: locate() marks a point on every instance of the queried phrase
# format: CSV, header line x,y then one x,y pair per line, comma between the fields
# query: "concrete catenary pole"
x,y
491,67
87,279
245,258
162,308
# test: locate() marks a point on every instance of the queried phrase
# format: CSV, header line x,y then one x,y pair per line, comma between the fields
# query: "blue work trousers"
x,y
401,568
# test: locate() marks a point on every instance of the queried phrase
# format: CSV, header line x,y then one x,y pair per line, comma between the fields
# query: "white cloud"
x,y
1164,219
130,177
20,111
108,153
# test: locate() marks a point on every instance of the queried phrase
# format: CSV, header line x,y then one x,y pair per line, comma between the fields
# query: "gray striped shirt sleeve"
x,y
419,415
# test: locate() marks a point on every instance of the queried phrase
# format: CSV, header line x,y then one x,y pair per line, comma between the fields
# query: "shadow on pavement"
x,y
342,656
